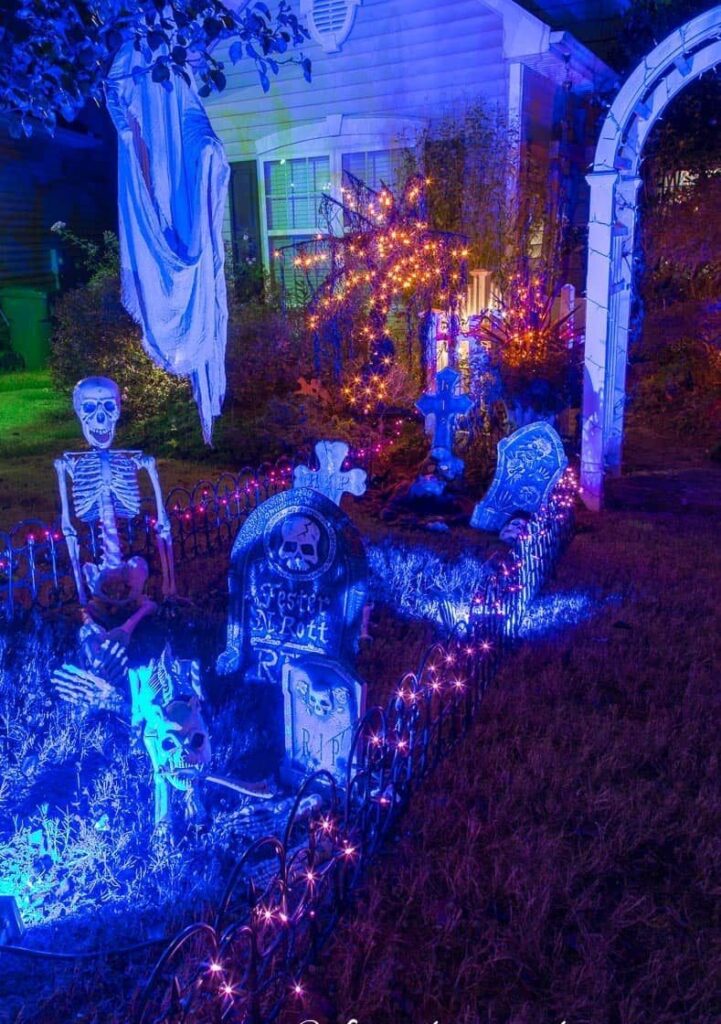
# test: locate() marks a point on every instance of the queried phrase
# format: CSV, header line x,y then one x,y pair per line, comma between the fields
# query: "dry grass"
x,y
566,864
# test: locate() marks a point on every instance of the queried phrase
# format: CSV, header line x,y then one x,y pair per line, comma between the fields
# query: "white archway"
x,y
679,60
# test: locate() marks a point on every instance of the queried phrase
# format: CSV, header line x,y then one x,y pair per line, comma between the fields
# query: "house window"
x,y
293,186
293,191
376,168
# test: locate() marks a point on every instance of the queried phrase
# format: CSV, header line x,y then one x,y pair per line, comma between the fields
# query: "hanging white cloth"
x,y
172,187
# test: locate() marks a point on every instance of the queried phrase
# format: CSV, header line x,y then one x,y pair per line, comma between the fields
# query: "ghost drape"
x,y
172,188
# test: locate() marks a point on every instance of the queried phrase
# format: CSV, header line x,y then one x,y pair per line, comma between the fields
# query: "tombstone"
x,y
330,479
322,705
444,406
530,463
298,584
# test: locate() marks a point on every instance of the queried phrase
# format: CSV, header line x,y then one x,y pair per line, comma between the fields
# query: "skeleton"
x,y
100,682
165,699
299,547
105,487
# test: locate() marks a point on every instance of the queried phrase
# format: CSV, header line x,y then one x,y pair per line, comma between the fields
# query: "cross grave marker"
x,y
330,479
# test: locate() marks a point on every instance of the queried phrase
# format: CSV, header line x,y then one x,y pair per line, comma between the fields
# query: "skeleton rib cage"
x,y
105,487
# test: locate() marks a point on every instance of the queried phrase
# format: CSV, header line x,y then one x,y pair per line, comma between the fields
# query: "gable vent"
x,y
329,21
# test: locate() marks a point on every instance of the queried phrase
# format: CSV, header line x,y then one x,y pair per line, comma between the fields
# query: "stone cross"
x,y
330,479
444,406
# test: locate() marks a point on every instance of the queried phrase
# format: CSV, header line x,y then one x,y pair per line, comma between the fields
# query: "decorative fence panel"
x,y
246,963
35,568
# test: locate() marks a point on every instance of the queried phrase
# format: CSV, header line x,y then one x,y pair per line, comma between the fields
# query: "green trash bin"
x,y
26,310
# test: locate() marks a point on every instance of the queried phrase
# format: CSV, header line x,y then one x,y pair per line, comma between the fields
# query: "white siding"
x,y
403,58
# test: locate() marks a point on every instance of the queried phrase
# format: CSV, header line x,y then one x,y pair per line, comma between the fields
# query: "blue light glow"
x,y
551,612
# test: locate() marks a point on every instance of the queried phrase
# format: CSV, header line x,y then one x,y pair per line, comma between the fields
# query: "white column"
x,y
598,288
622,285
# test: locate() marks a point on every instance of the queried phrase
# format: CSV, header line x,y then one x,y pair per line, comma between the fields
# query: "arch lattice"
x,y
679,60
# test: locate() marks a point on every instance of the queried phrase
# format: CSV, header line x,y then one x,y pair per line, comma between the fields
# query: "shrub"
x,y
93,335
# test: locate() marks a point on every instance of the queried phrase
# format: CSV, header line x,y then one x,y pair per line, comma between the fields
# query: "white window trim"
x,y
332,137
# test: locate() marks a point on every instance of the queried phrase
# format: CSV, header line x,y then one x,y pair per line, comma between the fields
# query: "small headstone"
x,y
298,582
530,463
444,406
330,479
323,703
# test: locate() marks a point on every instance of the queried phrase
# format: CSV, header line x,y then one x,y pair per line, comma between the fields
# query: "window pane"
x,y
376,168
293,190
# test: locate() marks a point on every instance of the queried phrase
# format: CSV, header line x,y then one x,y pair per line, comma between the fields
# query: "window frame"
x,y
330,137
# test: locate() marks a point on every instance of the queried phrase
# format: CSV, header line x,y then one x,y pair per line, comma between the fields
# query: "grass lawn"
x,y
566,863
36,425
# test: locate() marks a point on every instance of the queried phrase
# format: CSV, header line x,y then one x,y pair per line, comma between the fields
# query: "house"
x,y
383,71
69,177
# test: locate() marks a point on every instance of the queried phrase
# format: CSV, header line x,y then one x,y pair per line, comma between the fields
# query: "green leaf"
x,y
160,73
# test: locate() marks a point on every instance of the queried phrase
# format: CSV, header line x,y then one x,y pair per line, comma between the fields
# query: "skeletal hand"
x,y
163,527
228,661
78,686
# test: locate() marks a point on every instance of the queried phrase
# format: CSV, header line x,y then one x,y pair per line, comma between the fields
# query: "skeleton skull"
x,y
299,549
177,741
96,401
514,530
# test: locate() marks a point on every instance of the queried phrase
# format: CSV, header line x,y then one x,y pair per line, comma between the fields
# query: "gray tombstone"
x,y
322,705
330,478
530,463
298,582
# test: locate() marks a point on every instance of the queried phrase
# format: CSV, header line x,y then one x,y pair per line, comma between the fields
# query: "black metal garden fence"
x,y
247,962
35,567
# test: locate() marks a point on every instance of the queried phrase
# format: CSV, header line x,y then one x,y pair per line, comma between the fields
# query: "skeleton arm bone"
x,y
165,540
147,462
63,470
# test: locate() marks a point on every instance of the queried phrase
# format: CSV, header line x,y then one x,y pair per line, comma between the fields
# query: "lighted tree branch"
x,y
388,263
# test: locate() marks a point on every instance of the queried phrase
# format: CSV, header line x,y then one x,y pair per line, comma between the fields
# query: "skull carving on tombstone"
x,y
96,401
320,703
320,699
300,540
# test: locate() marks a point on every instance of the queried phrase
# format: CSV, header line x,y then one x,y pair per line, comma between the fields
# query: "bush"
x,y
93,335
